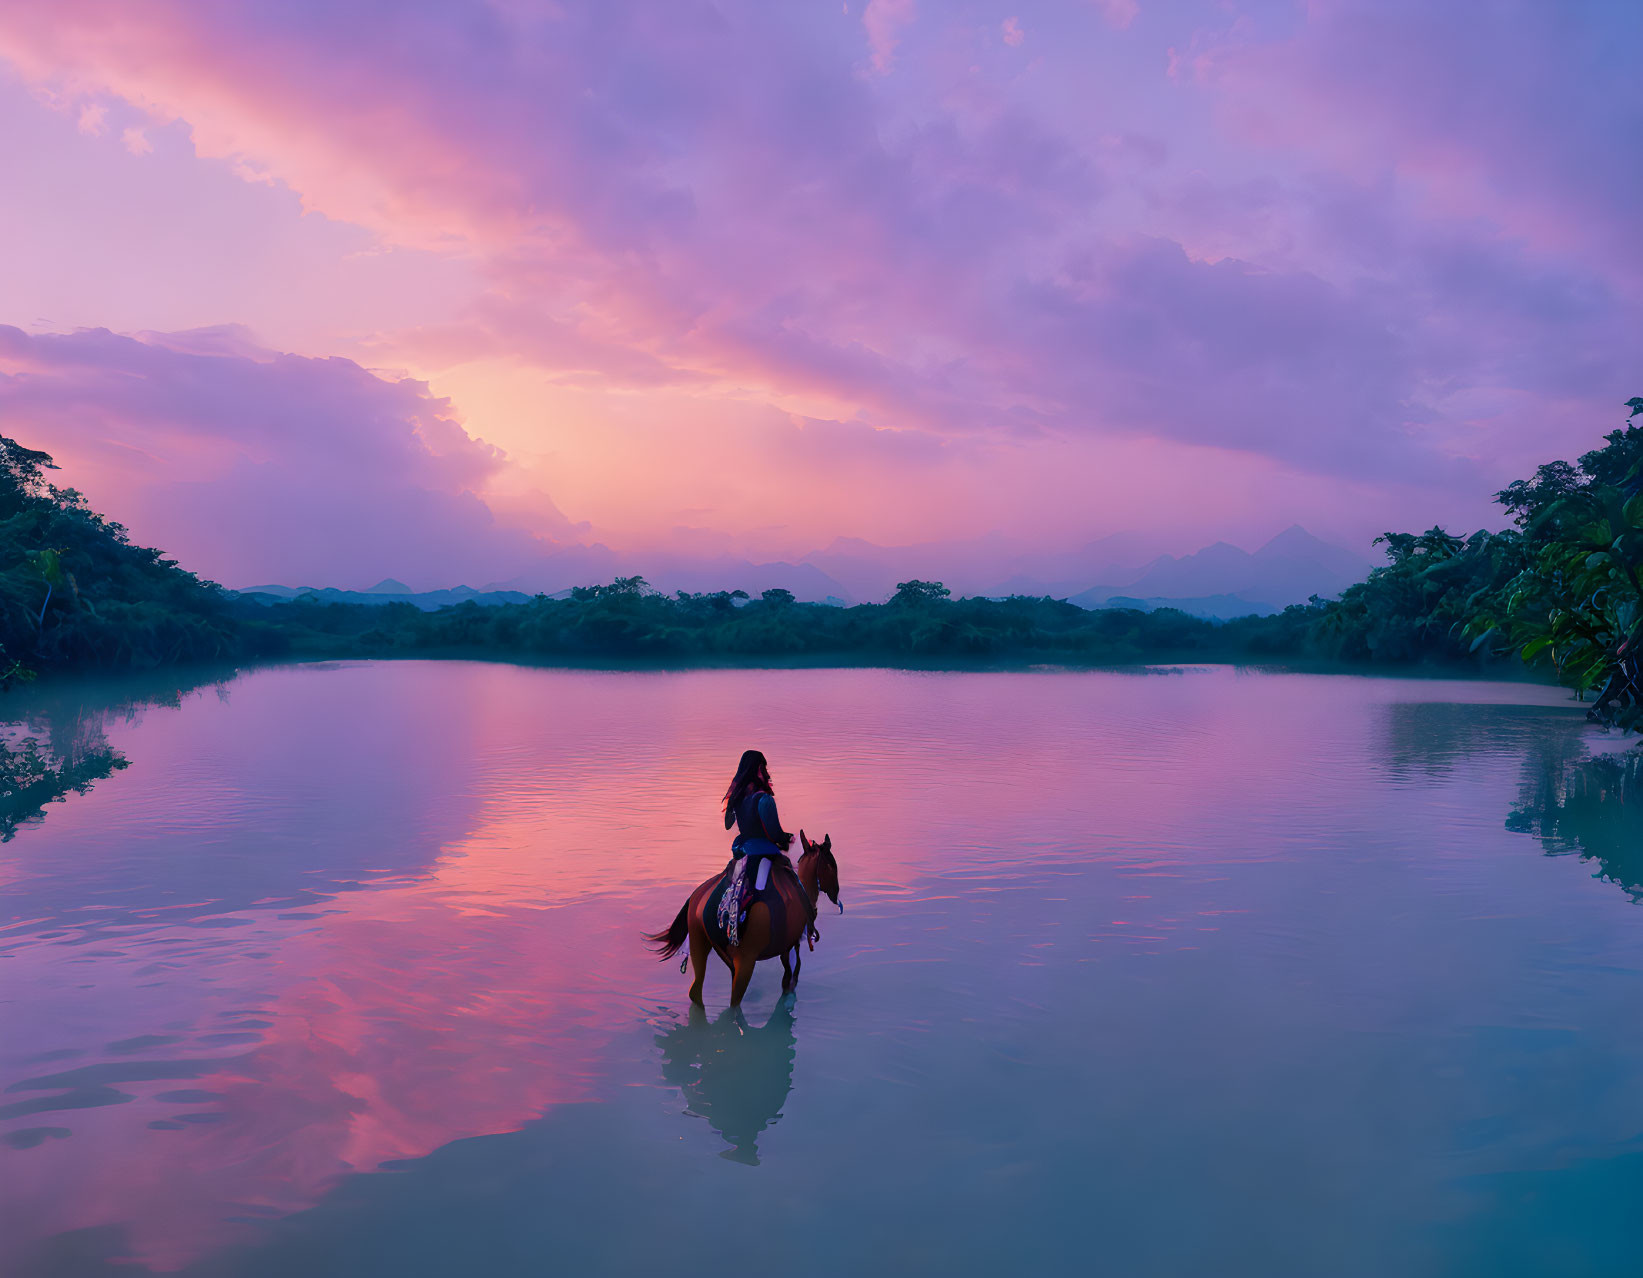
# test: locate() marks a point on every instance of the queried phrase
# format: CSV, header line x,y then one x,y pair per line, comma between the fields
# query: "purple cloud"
x,y
258,467
1382,244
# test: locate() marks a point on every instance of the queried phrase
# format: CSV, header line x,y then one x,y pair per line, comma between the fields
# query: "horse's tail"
x,y
668,943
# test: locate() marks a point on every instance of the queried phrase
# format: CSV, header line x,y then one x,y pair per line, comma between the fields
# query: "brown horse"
x,y
817,871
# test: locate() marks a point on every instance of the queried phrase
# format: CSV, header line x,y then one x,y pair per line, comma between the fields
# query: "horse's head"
x,y
827,869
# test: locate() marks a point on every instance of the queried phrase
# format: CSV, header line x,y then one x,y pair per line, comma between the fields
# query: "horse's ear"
x,y
803,842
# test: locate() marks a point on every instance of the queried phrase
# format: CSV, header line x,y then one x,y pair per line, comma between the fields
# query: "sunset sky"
x,y
326,292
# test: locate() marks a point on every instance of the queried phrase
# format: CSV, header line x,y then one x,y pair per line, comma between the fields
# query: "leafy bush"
x,y
1576,600
74,591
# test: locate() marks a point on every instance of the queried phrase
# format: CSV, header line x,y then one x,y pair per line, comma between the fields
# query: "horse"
x,y
817,872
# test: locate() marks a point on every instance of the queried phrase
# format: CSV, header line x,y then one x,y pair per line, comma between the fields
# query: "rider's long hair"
x,y
752,772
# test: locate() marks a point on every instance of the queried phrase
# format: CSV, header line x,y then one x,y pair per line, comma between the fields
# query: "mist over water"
x,y
1201,971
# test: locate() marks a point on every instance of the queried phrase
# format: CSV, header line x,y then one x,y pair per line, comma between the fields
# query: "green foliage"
x,y
1576,601
600,622
917,593
1421,604
1562,588
74,592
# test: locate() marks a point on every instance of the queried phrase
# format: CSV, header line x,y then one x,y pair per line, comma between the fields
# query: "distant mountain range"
x,y
1223,581
983,566
1123,570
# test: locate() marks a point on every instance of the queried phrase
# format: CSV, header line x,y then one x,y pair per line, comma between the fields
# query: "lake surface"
x,y
1200,972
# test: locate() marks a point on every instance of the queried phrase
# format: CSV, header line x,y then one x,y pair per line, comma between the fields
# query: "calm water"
x,y
1202,972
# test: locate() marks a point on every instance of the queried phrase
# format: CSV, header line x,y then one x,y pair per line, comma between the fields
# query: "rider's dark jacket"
x,y
758,829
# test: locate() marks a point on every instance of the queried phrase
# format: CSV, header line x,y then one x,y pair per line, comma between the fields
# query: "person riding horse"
x,y
772,920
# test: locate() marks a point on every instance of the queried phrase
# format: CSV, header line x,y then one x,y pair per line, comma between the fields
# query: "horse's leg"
x,y
699,948
745,963
798,962
787,972
755,936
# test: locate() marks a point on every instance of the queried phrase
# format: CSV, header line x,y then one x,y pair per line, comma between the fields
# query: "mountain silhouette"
x,y
1290,568
1120,570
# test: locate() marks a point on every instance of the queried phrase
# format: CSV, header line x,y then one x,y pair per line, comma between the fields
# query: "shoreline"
x,y
200,673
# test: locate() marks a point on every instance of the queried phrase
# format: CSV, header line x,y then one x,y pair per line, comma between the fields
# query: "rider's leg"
x,y
755,877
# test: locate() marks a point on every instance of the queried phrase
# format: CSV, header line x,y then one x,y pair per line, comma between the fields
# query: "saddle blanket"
x,y
722,916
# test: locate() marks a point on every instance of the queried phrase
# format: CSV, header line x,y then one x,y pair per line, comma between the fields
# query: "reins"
x,y
811,935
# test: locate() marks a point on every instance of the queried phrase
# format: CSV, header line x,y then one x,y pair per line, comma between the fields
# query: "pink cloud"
x,y
884,21
711,206
1514,121
1118,13
254,466
678,233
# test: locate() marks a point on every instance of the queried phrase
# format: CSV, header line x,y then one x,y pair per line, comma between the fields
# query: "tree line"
x,y
75,593
1561,590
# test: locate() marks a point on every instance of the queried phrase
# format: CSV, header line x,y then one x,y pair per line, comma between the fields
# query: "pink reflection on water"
x,y
390,1030
454,863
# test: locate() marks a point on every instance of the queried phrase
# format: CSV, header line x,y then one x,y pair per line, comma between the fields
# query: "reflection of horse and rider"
x,y
735,1075
762,906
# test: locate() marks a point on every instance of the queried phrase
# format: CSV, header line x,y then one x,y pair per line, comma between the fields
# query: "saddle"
x,y
721,918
